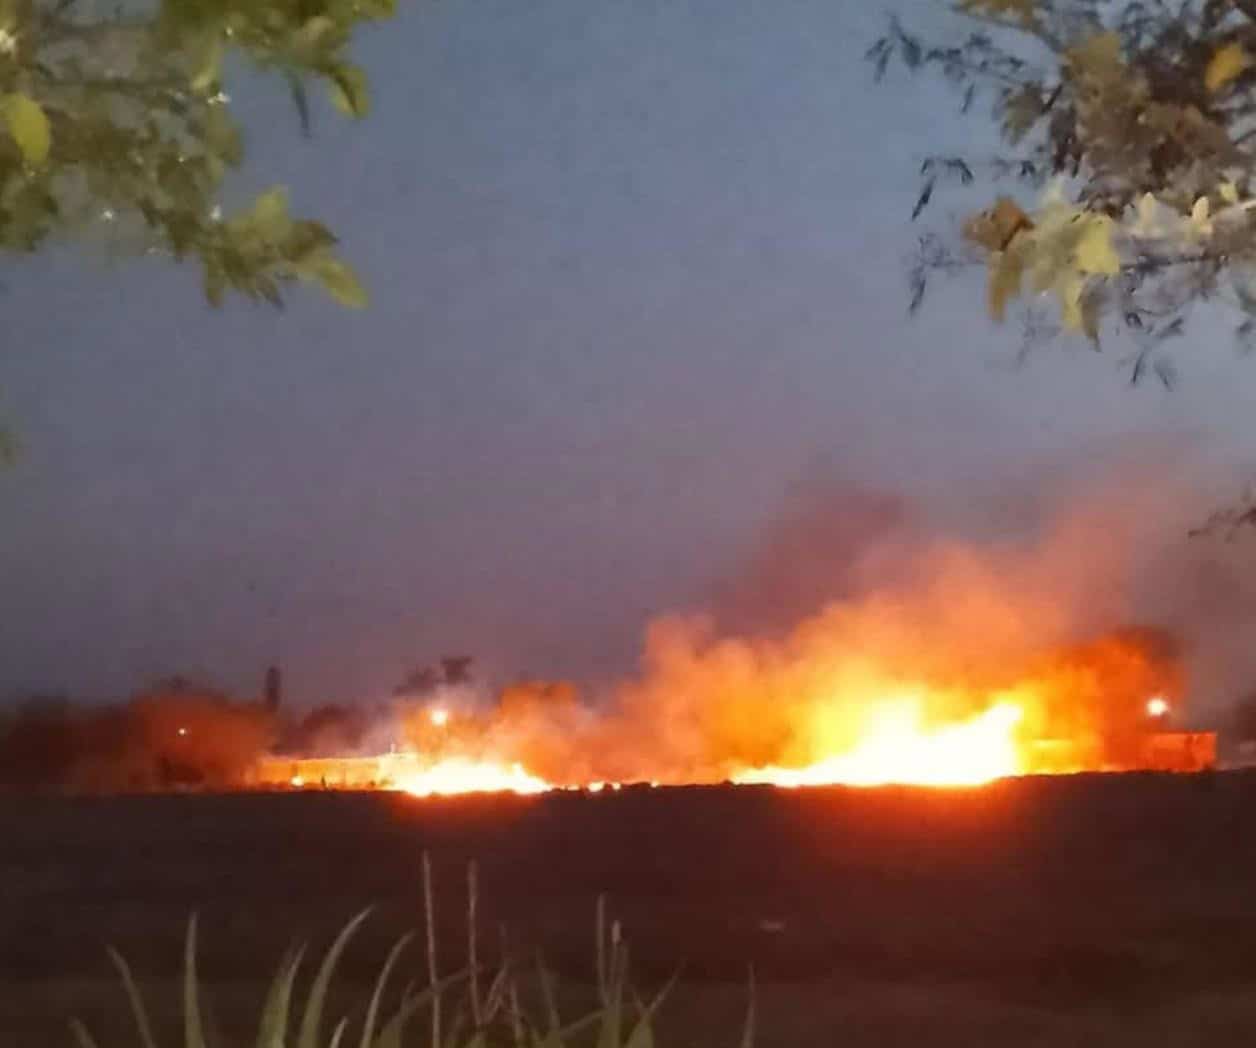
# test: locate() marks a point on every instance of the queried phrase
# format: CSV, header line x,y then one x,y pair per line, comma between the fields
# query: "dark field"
x,y
1050,911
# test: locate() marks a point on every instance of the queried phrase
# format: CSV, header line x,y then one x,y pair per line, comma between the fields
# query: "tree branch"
x,y
1034,28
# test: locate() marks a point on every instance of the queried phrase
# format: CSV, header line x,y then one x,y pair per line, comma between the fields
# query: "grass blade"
x,y
612,1016
642,1034
372,1010
133,995
272,1031
312,1017
600,938
495,999
390,1035
338,1033
747,1034
429,912
193,1029
473,899
551,1007
82,1037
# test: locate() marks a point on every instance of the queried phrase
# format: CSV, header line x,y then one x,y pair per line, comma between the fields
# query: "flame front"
x,y
898,748
457,775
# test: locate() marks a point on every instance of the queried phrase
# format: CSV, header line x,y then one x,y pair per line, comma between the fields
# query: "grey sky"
x,y
637,267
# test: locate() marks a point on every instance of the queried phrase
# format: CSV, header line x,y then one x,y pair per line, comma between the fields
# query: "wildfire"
x,y
898,749
455,775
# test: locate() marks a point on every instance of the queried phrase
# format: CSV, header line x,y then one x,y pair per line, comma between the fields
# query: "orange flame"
x,y
898,749
458,775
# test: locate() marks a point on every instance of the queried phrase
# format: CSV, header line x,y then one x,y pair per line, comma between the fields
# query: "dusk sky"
x,y
638,270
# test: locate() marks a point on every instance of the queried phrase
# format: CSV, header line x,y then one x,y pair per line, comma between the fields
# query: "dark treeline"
x,y
171,736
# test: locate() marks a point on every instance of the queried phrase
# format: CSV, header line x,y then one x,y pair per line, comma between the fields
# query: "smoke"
x,y
1079,596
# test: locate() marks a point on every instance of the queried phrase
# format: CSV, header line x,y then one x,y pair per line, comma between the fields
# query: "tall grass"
x,y
479,1016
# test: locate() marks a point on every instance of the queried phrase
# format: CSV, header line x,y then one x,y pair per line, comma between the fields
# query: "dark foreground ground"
x,y
1055,911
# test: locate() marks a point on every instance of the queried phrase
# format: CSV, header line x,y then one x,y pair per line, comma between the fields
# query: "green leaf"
x,y
270,213
28,124
339,281
273,1029
81,1035
137,1002
209,68
314,32
312,1017
349,91
378,8
222,136
411,1003
642,1035
372,1010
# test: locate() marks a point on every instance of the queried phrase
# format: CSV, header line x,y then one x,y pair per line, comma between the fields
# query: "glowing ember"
x,y
898,749
439,717
1157,707
455,775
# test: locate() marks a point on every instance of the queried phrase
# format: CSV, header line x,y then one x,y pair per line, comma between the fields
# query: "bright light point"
x,y
182,732
1157,707
596,787
439,717
297,781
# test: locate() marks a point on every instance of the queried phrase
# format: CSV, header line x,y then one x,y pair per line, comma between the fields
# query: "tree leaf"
x,y
1068,289
994,229
1226,63
209,68
28,124
1095,253
270,213
349,91
1006,269
339,281
1098,56
1020,9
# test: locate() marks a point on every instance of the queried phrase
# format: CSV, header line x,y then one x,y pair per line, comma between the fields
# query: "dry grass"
x,y
620,1019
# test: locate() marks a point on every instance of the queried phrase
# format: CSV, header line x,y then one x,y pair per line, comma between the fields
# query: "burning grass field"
x,y
1038,911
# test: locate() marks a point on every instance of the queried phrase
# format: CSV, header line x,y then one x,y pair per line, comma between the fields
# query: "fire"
x,y
456,775
899,749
